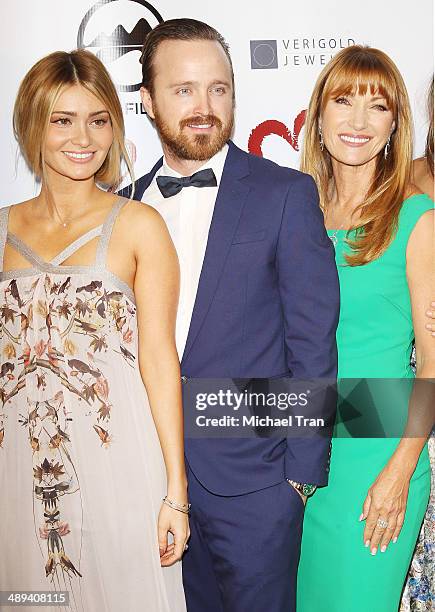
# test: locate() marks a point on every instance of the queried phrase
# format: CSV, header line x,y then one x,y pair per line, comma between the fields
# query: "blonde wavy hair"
x,y
37,97
356,70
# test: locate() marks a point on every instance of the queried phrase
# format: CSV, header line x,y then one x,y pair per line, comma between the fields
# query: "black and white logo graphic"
x,y
115,31
264,54
296,52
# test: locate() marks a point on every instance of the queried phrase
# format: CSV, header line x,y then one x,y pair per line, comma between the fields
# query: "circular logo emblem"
x,y
115,30
264,55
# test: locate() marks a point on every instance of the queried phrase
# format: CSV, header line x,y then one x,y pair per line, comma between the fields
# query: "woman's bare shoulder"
x,y
20,207
19,215
139,219
140,212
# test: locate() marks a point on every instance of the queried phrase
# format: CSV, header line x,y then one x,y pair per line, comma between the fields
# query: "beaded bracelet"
x,y
185,508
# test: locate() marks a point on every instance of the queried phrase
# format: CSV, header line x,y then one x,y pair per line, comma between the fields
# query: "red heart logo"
x,y
271,126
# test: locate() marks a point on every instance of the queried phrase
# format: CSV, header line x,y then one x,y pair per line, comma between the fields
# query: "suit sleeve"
x,y
309,291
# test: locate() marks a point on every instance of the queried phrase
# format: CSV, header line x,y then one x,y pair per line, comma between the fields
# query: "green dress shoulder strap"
x,y
412,209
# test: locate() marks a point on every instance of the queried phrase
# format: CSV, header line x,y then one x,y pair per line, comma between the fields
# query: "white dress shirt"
x,y
188,216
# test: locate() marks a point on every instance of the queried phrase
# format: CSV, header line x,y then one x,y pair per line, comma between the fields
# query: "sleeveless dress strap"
x,y
26,252
76,245
4,216
103,245
412,209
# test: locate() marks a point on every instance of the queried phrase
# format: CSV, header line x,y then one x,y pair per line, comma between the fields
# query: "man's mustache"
x,y
201,120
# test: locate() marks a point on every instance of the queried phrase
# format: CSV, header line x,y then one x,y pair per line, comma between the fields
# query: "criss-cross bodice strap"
x,y
4,216
37,261
76,245
103,231
103,245
26,252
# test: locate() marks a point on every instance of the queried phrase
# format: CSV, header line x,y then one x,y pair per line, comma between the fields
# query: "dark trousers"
x,y
243,551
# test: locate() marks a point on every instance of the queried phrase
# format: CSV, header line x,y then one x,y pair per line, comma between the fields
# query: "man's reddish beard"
x,y
199,147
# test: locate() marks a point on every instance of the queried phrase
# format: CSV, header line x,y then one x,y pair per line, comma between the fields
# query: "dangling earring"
x,y
387,147
322,144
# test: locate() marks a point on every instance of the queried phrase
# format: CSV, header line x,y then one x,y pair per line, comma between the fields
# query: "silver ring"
x,y
382,524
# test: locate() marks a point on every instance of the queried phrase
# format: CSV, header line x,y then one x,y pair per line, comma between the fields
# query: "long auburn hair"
x,y
36,99
354,70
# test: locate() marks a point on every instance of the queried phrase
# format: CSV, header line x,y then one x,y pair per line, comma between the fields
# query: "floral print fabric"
x,y
53,334
81,469
419,594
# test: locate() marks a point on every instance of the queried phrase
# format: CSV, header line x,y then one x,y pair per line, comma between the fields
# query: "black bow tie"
x,y
171,185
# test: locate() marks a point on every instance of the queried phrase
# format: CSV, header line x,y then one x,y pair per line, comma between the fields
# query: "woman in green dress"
x,y
360,531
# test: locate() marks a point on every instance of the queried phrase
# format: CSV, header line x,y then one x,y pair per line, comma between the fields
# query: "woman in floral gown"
x,y
88,296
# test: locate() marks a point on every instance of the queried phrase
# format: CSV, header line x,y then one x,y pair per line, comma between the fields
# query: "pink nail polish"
x,y
383,549
361,517
394,540
374,551
367,543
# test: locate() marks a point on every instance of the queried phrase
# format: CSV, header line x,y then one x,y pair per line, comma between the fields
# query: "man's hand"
x,y
303,497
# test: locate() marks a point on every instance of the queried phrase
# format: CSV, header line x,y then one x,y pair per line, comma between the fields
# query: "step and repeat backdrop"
x,y
278,49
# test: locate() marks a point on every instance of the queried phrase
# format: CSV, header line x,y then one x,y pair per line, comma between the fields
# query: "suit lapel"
x,y
229,204
141,184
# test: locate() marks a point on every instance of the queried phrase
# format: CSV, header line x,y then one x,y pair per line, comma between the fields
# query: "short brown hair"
x,y
38,94
177,29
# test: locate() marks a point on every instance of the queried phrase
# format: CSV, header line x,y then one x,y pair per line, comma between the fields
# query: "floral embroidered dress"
x,y
419,593
81,469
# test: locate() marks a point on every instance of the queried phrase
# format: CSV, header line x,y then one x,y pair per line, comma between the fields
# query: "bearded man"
x,y
258,298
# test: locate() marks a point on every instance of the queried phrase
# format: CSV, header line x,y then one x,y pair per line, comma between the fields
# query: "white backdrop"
x,y
278,48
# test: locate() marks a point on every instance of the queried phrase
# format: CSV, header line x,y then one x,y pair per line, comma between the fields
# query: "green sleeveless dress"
x,y
374,336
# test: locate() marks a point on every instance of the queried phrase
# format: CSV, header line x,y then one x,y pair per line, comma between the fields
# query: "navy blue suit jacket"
x,y
267,305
